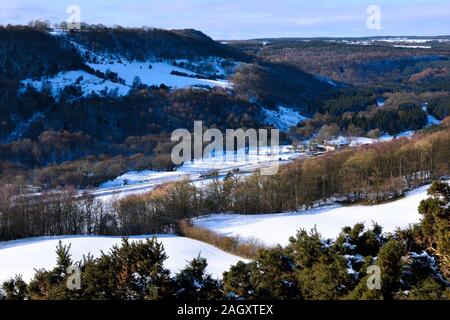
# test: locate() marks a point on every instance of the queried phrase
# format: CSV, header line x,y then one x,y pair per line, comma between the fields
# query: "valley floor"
x,y
196,171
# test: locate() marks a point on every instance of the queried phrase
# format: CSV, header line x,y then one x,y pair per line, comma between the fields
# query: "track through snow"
x,y
23,256
273,229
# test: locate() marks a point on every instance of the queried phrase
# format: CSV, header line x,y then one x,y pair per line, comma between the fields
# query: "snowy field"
x,y
248,162
144,181
273,229
160,73
23,256
137,182
358,141
151,73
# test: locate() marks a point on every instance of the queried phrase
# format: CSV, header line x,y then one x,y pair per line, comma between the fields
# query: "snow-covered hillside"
x,y
154,72
275,229
284,118
23,256
87,82
431,120
159,73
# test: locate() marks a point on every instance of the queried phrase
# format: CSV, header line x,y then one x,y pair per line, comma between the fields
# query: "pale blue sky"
x,y
244,19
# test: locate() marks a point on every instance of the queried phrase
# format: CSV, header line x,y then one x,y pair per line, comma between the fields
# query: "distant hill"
x,y
282,84
358,61
101,93
139,44
27,52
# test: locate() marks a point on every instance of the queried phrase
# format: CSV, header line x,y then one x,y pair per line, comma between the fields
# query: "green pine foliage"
x,y
131,271
428,289
390,263
193,283
436,223
14,289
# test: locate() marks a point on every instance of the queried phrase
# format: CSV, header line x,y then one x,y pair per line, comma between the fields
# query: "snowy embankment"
x,y
24,256
273,229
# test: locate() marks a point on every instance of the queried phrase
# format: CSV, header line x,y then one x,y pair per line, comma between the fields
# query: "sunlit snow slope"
x,y
275,229
23,256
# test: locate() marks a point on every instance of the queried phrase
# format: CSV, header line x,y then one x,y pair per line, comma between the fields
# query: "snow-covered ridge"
x,y
399,42
431,120
411,47
273,229
24,256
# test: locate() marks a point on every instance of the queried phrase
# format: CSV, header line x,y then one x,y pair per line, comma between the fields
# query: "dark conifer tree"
x,y
14,289
389,261
193,283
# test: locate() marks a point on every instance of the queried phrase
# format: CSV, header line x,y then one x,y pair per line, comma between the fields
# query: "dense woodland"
x,y
31,53
352,61
139,44
276,84
49,141
71,134
369,174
